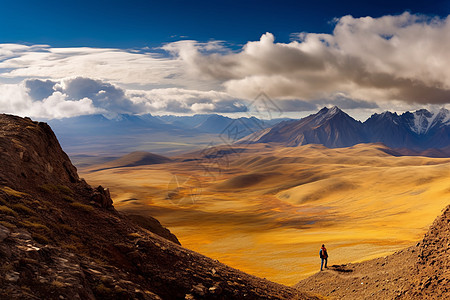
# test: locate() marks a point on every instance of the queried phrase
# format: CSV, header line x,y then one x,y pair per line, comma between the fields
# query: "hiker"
x,y
324,256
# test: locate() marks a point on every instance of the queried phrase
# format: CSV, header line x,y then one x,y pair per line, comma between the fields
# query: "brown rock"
x,y
102,197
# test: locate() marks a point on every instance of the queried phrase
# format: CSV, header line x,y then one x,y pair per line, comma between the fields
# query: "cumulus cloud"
x,y
16,99
178,100
365,63
75,96
391,58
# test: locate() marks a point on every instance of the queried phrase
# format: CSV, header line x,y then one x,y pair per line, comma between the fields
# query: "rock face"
x,y
102,197
30,153
153,225
62,239
433,264
419,272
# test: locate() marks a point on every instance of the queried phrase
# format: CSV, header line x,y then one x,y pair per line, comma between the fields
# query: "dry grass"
x,y
36,226
103,290
58,284
68,198
64,190
40,238
22,208
55,189
6,267
64,227
81,206
13,192
135,235
6,210
8,225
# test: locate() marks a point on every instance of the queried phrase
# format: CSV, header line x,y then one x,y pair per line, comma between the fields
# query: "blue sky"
x,y
68,58
140,23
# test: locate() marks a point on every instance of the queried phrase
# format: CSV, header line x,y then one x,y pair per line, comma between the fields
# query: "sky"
x,y
67,58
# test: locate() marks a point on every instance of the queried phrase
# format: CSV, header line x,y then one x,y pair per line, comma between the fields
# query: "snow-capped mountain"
x,y
424,120
334,128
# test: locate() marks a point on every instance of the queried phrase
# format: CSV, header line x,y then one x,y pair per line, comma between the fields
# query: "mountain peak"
x,y
423,112
334,110
329,110
327,114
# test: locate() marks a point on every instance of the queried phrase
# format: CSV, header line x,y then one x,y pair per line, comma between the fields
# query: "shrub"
x,y
6,210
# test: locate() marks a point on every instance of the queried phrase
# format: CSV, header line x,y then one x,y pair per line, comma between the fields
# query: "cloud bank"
x,y
75,96
391,58
365,63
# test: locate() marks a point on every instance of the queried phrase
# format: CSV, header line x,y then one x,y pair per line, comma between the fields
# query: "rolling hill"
x,y
62,239
134,159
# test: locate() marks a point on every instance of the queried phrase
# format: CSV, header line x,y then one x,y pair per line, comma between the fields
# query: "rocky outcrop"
x,y
433,264
62,239
153,225
102,197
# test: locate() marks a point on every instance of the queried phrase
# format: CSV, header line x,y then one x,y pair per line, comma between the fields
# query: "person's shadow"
x,y
340,268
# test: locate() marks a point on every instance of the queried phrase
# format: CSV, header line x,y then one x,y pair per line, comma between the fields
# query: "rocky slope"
x,y
419,272
62,239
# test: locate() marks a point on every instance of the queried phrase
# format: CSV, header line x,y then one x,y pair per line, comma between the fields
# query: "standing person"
x,y
324,256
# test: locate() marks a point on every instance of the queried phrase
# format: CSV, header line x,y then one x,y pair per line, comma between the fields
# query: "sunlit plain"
x,y
267,210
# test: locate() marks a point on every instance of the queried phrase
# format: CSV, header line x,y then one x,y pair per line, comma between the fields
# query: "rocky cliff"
x,y
62,239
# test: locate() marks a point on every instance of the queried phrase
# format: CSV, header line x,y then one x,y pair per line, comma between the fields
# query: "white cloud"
x,y
116,65
75,96
366,63
15,99
176,100
401,58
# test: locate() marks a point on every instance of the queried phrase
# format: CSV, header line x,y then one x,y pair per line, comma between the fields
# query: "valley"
x,y
266,209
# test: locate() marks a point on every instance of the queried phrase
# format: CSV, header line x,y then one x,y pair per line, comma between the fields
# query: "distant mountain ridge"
x,y
334,128
92,134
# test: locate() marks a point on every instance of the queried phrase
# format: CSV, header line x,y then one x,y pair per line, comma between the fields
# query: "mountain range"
x,y
334,128
125,123
99,135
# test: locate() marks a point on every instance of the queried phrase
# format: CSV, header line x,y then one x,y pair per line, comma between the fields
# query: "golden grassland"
x,y
267,211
